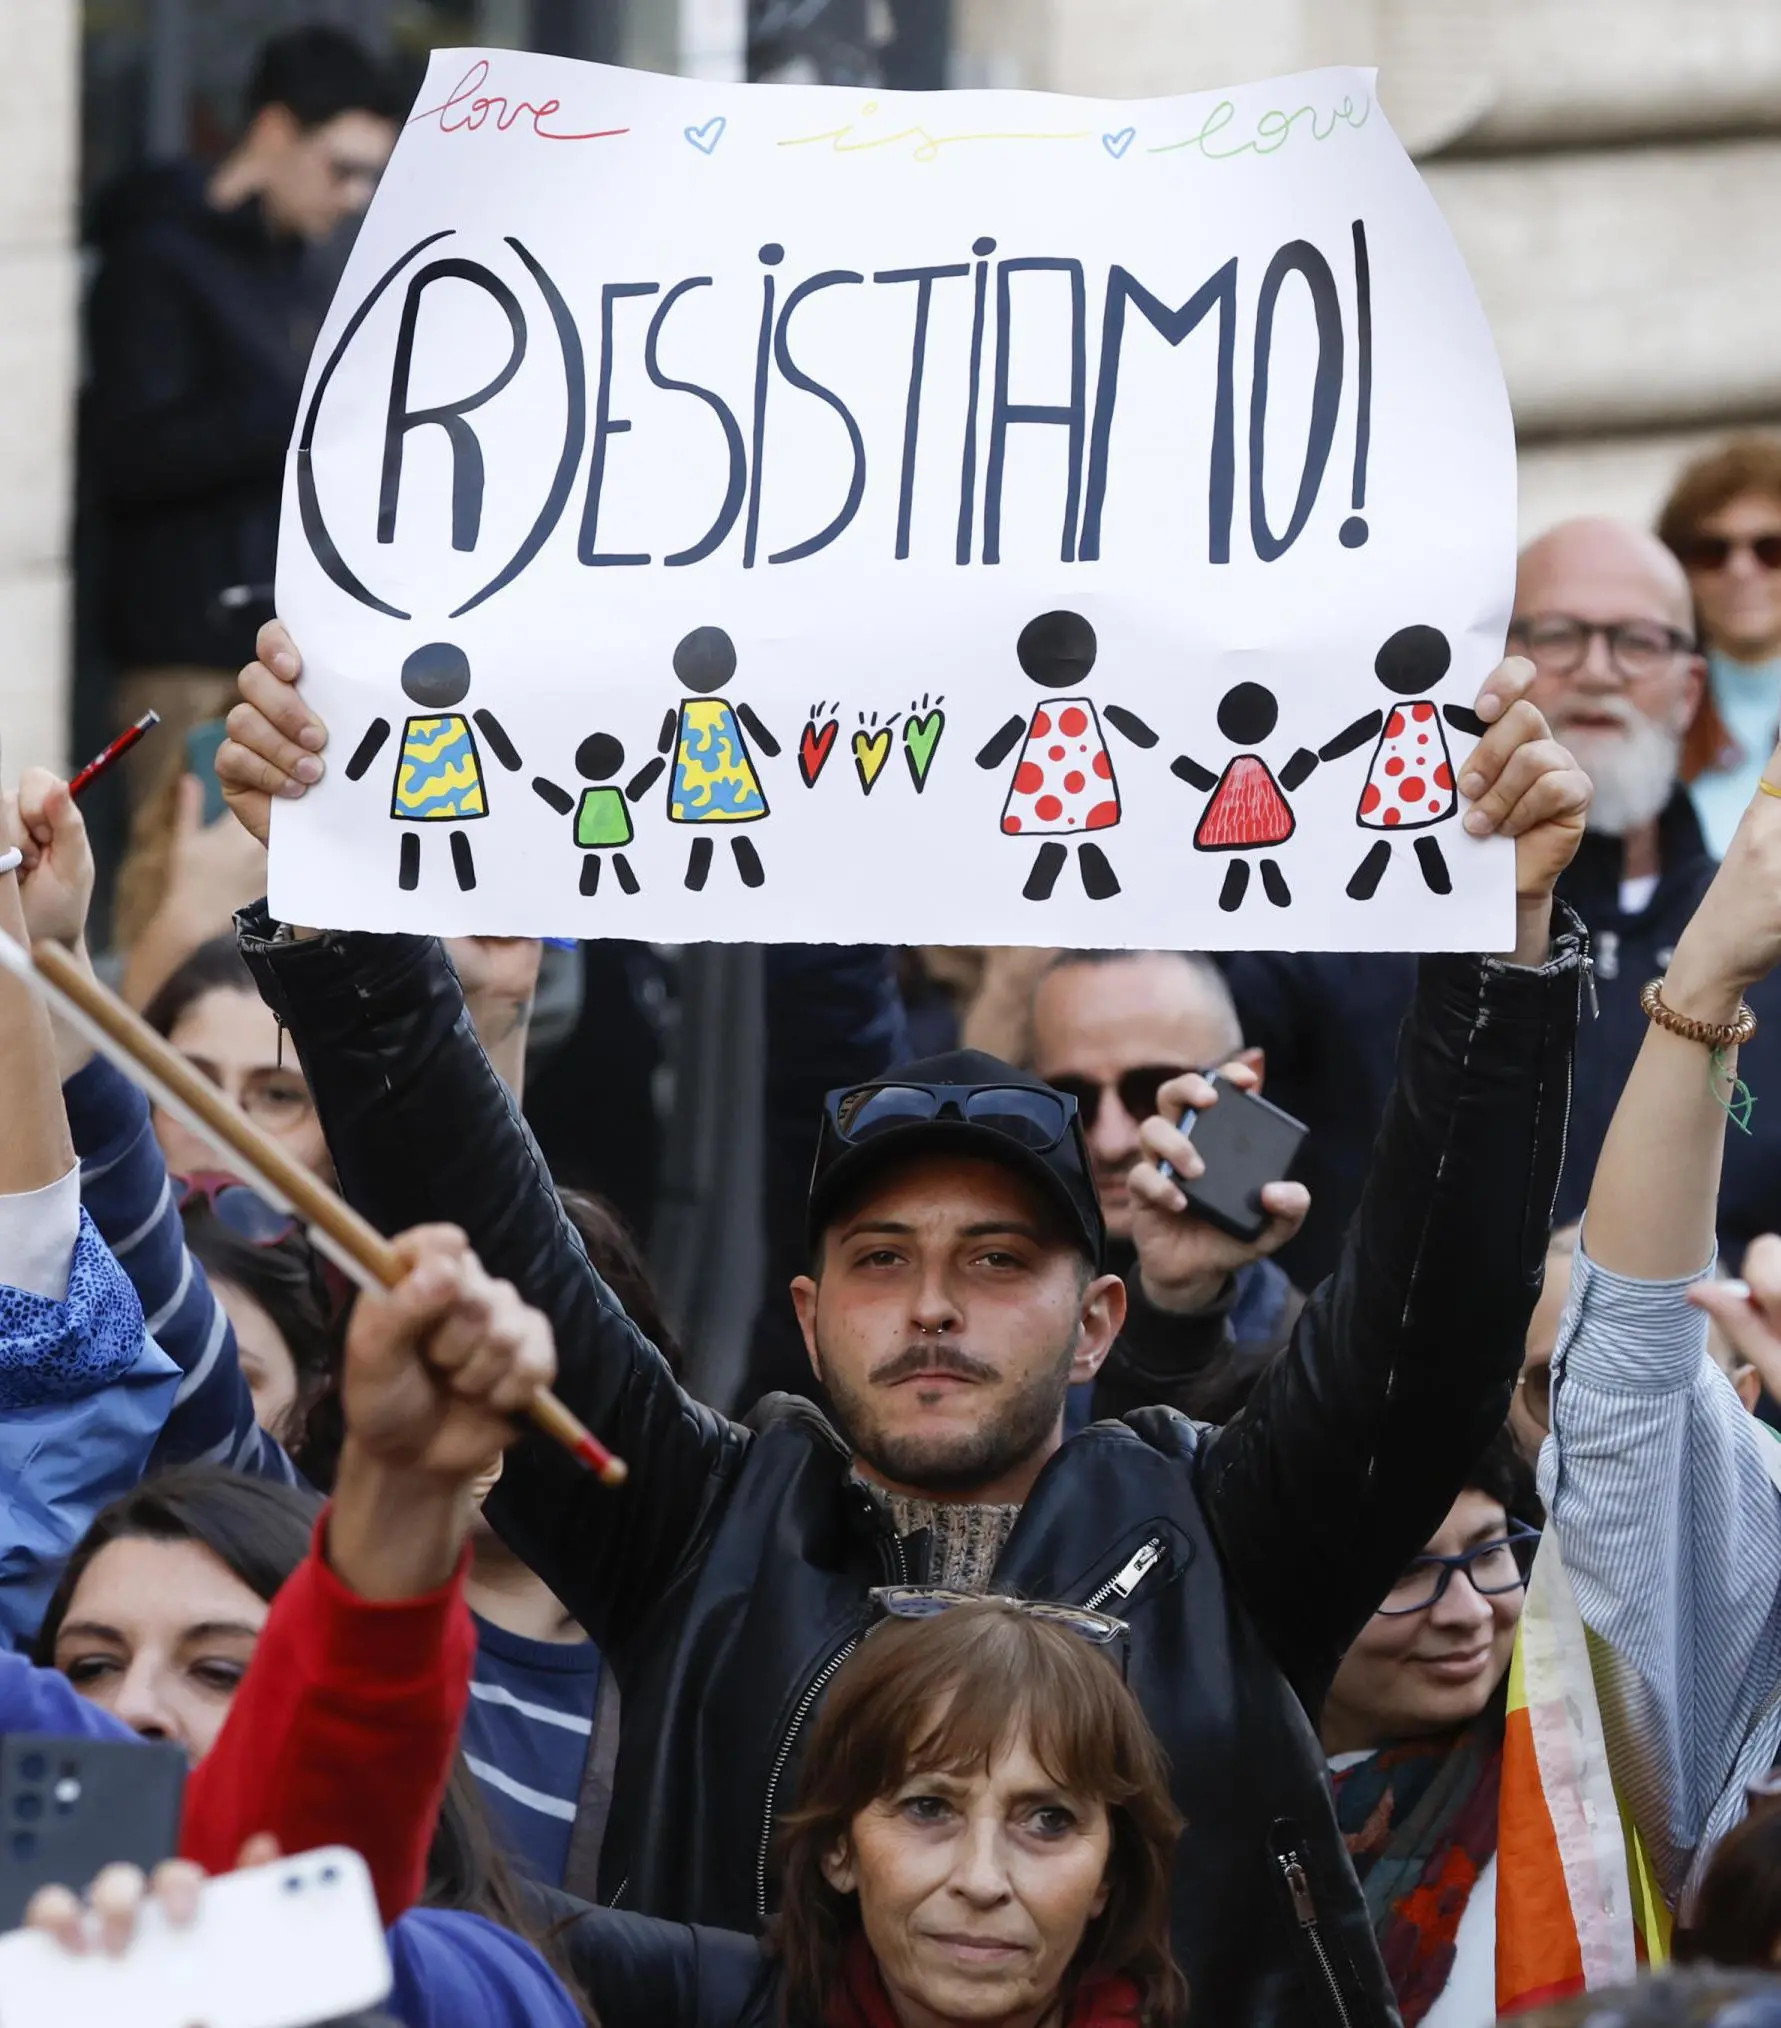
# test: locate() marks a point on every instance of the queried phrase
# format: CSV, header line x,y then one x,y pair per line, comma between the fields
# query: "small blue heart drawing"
x,y
706,138
1115,144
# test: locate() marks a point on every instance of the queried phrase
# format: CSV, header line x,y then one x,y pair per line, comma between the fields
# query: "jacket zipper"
x,y
1126,1580
1298,1885
821,1682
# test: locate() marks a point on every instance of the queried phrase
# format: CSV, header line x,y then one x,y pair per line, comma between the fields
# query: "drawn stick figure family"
x,y
1063,791
440,779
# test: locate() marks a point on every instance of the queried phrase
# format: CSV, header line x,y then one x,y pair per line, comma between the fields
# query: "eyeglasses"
x,y
1035,1116
928,1601
1714,552
245,1212
1493,1568
1137,1090
1638,649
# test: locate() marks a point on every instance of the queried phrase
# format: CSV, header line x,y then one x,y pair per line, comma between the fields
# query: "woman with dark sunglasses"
x,y
1413,1725
983,1834
1723,520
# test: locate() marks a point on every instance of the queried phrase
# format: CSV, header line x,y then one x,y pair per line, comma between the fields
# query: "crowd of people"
x,y
1082,1616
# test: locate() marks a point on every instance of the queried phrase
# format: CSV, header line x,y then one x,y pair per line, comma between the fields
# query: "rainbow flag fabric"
x,y
1578,1907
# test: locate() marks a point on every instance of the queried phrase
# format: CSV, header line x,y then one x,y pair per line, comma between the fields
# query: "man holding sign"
x,y
903,461
956,1292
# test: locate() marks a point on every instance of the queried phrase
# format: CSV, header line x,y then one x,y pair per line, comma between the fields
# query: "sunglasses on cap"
x,y
230,1202
1136,1089
1034,1116
1714,552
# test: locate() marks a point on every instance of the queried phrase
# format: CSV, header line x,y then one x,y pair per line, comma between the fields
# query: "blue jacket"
x,y
83,1393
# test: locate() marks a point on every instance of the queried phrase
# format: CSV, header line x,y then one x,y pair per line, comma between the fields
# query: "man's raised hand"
x,y
1523,785
275,741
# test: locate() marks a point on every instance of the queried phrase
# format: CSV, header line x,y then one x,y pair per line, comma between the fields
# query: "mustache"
x,y
935,1357
1618,709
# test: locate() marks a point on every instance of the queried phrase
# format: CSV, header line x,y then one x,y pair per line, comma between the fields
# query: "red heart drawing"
x,y
813,750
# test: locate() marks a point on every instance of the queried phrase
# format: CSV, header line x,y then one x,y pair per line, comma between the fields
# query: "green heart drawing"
x,y
920,737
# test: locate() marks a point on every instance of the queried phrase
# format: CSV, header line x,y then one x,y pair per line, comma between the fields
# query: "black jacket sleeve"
x,y
1356,1441
422,1129
1193,1364
638,1968
1159,1357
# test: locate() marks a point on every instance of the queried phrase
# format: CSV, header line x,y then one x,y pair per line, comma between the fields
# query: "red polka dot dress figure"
x,y
1063,786
1246,810
1410,781
1409,785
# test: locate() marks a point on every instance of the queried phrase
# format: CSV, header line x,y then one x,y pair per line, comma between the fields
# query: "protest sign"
x,y
796,513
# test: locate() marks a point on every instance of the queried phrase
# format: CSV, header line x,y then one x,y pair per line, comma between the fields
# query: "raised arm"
x,y
1661,1487
345,1724
421,1128
124,1186
1401,1367
82,1390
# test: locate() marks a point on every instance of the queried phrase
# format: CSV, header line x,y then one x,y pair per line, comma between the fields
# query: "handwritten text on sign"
x,y
1140,473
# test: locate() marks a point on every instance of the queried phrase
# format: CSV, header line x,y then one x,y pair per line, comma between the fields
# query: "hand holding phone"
x,y
1245,1144
69,1807
279,1946
1209,1198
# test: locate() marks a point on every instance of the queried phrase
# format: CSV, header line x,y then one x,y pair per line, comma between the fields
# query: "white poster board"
x,y
792,513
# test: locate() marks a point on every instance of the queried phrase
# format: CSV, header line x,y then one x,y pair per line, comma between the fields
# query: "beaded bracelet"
x,y
1713,1035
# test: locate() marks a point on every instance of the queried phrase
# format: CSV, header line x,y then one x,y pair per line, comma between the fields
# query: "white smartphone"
x,y
277,1946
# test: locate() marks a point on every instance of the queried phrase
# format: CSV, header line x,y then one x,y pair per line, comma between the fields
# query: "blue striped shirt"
x,y
526,1738
1661,1489
125,1188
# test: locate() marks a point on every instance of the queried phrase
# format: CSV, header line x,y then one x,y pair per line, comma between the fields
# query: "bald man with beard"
x,y
1603,611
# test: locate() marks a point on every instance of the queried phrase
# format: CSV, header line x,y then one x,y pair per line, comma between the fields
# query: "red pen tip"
x,y
611,1471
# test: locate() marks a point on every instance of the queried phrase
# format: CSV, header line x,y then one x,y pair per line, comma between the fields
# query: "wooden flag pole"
x,y
355,1246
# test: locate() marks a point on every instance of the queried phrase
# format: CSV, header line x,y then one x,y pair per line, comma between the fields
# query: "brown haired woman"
x,y
983,1834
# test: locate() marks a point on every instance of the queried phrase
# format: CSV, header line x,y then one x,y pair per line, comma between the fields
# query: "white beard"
x,y
1633,771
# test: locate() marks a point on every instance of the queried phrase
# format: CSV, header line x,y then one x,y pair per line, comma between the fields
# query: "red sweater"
x,y
342,1732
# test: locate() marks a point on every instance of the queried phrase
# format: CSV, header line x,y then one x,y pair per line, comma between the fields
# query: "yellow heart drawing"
x,y
870,752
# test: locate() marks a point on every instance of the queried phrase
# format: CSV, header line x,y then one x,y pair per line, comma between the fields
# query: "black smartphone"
x,y
1244,1142
201,745
70,1806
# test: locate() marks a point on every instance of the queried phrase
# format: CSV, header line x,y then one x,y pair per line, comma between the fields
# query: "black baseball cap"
x,y
963,1102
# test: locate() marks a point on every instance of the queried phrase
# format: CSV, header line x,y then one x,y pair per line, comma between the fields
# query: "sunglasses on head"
x,y
927,1601
1137,1091
1714,552
1035,1116
230,1202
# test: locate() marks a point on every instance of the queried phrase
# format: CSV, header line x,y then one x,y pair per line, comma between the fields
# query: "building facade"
x,y
1608,167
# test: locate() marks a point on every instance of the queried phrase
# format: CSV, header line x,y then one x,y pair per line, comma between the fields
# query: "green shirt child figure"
x,y
602,819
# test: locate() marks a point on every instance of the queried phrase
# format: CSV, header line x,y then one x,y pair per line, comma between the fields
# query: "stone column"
x,y
39,140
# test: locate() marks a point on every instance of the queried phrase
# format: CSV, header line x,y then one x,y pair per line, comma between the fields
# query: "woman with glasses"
x,y
1413,1725
211,1013
982,1834
1723,520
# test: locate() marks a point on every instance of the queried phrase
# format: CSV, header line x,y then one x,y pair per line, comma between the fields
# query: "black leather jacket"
x,y
726,1582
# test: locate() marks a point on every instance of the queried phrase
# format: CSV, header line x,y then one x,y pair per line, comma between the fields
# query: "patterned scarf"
x,y
1420,1823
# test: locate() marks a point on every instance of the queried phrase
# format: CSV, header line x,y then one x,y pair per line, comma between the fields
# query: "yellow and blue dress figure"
x,y
439,770
439,775
714,779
